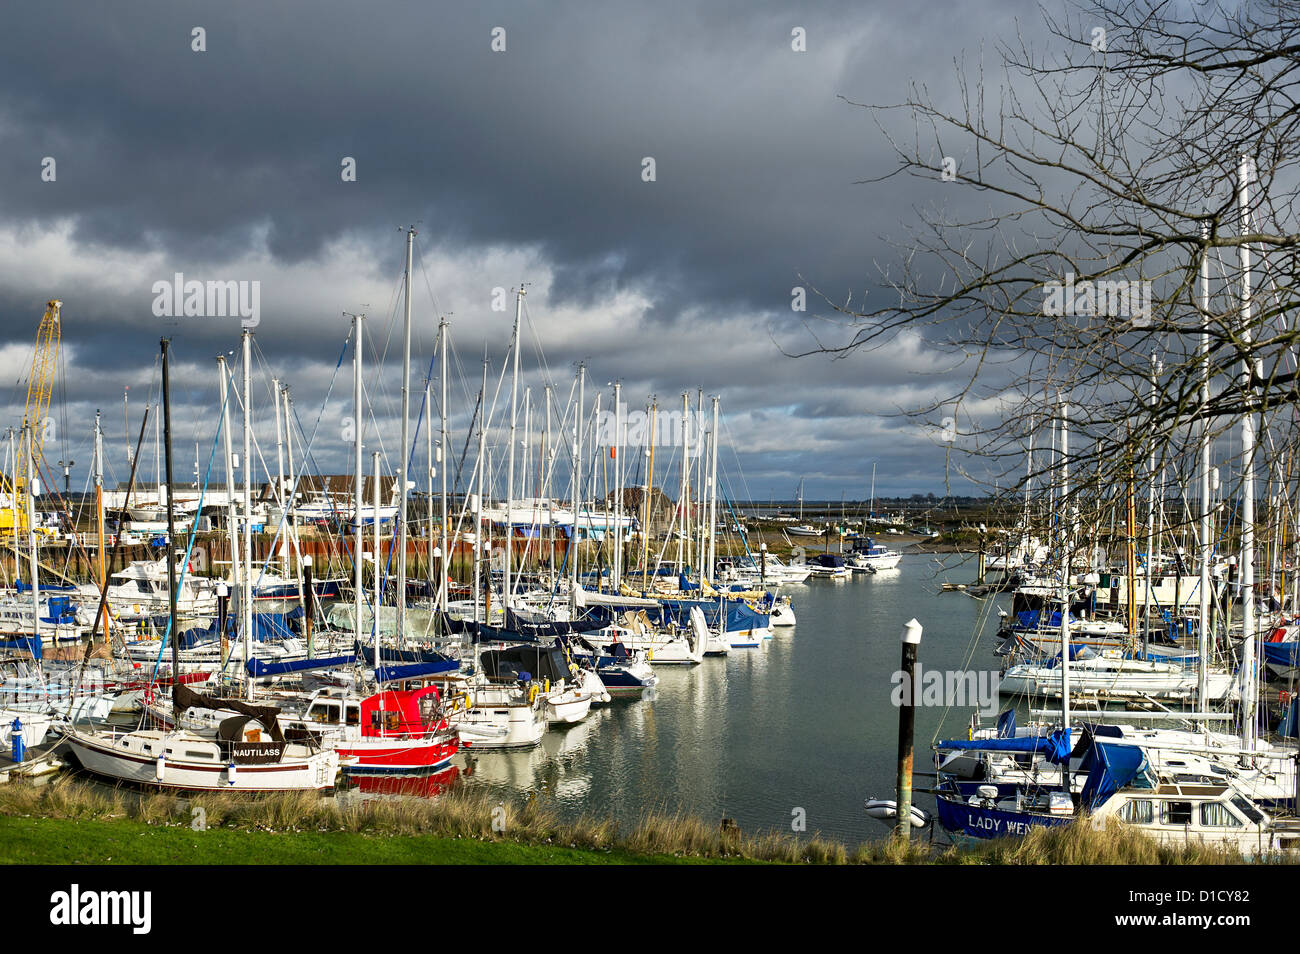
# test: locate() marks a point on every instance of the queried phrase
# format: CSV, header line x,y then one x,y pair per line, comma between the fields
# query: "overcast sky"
x,y
520,165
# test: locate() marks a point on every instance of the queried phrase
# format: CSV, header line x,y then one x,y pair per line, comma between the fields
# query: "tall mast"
x,y
547,455
126,422
13,502
1151,518
442,465
478,496
1203,621
405,450
525,489
232,522
289,495
374,493
577,479
682,493
649,484
428,481
358,540
1250,687
510,466
699,484
31,535
157,460
711,529
171,522
99,521
247,614
279,446
1066,529
617,576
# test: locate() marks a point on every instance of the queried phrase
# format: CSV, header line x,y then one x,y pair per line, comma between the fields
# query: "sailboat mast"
x,y
478,496
617,576
510,465
442,465
404,448
1151,519
99,521
1203,620
358,541
31,534
1066,529
379,563
232,522
247,614
577,478
712,528
649,484
171,519
1250,687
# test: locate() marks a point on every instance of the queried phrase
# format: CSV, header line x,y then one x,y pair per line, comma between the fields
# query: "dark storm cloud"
x,y
209,157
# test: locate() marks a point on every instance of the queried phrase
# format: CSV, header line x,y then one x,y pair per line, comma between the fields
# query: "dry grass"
x,y
464,812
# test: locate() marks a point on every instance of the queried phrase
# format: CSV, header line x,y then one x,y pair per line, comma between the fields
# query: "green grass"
x,y
70,822
121,841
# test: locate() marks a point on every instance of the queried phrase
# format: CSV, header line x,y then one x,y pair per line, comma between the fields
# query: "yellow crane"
x,y
40,386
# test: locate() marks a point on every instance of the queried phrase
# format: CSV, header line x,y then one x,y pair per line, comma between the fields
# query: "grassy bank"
x,y
70,822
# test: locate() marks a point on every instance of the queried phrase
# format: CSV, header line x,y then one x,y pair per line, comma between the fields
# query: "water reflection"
x,y
424,785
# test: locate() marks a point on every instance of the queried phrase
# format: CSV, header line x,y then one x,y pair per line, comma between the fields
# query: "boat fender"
x,y
230,772
160,768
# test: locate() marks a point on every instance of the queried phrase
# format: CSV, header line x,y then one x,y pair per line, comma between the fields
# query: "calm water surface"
x,y
805,721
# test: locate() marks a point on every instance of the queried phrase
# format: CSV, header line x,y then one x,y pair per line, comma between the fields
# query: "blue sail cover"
x,y
258,668
1282,654
1287,727
1055,746
414,670
367,653
26,644
1110,767
1007,724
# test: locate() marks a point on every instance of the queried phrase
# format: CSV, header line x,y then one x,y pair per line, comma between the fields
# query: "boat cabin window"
x,y
1138,811
1218,815
1175,813
429,709
386,721
354,715
1247,809
324,712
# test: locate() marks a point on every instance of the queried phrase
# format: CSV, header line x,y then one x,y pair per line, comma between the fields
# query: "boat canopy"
x,y
184,698
258,668
1110,766
1055,745
415,670
542,662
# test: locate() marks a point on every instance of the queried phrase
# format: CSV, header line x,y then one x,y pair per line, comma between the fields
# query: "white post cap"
x,y
912,632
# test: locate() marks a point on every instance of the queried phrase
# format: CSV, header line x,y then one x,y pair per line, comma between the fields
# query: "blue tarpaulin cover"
x,y
1110,767
27,644
1282,654
414,670
258,668
1056,745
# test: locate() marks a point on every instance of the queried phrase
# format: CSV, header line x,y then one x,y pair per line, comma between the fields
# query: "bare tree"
x,y
1076,200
